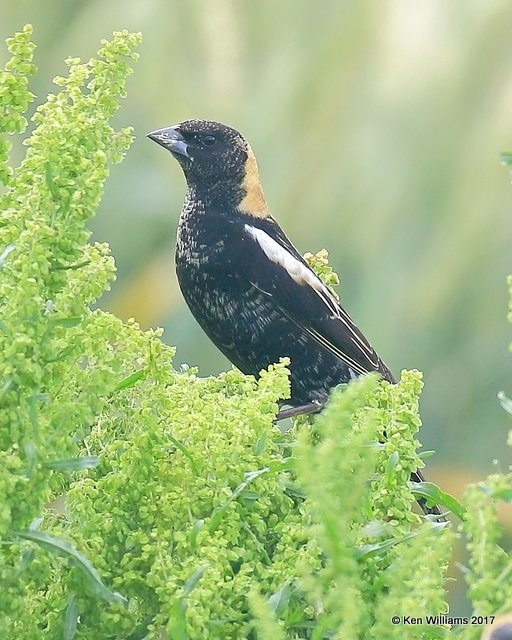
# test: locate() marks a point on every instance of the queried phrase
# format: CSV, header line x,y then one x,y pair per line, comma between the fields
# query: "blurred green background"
x,y
378,126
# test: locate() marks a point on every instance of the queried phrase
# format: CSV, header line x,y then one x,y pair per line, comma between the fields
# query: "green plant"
x,y
188,513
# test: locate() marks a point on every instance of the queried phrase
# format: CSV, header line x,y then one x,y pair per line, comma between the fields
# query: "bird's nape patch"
x,y
253,202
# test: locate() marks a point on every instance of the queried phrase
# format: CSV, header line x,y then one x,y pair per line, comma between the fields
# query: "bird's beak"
x,y
171,139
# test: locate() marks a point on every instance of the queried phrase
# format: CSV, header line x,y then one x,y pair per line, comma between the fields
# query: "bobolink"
x,y
244,281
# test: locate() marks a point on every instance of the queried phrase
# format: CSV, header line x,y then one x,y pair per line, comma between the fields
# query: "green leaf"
x,y
177,627
62,548
261,443
6,387
426,454
71,267
198,525
503,493
186,453
374,529
506,158
193,579
71,619
26,559
131,380
294,491
68,323
218,513
368,550
279,600
434,495
31,458
50,182
282,464
250,496
505,402
73,464
391,463
5,253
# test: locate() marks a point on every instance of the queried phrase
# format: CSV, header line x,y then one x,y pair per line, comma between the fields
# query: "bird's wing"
x,y
300,294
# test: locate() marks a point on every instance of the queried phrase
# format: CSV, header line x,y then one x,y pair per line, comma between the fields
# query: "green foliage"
x,y
366,529
320,263
14,94
59,359
490,563
188,513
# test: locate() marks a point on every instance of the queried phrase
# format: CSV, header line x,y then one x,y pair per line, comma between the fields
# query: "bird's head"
x,y
215,157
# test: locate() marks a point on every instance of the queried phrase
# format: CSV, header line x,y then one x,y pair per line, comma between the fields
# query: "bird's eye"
x,y
208,140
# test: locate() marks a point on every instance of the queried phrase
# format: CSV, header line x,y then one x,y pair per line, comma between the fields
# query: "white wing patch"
x,y
280,256
304,276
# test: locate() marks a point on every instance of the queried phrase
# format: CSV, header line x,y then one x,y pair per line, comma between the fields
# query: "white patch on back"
x,y
280,256
302,275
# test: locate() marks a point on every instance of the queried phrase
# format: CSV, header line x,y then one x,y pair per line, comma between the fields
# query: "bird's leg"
x,y
301,410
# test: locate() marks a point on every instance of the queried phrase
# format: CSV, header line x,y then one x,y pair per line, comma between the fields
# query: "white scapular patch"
x,y
304,276
280,256
294,268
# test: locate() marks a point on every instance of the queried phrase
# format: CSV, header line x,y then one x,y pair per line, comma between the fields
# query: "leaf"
x,y
434,495
73,464
282,464
219,511
26,559
374,529
5,253
506,158
279,600
261,443
391,463
71,267
426,454
31,458
198,525
368,550
6,386
62,548
250,496
131,380
185,452
32,412
505,402
294,491
63,354
192,580
71,619
35,524
67,323
177,627
503,493
50,183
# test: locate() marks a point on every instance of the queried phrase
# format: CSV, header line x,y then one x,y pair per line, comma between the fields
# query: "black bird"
x,y
244,281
